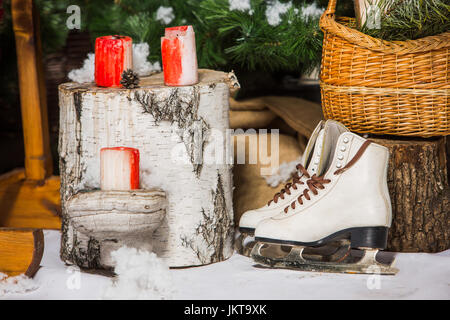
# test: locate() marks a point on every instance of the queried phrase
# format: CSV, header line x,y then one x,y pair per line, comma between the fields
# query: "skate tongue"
x,y
315,164
320,149
326,142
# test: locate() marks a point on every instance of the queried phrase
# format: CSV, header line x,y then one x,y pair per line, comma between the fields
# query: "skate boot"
x,y
349,205
315,158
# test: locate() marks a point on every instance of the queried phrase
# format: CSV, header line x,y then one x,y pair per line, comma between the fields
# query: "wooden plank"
x,y
302,115
251,119
38,161
21,251
29,204
254,104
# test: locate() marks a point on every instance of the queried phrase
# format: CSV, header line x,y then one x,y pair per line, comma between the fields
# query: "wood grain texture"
x,y
29,204
21,251
253,104
251,119
420,194
115,219
106,214
448,156
301,115
160,121
38,160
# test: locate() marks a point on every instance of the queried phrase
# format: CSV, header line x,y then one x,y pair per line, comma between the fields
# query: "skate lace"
x,y
287,188
315,182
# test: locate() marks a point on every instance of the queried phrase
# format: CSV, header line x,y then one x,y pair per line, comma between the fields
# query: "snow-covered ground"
x,y
421,276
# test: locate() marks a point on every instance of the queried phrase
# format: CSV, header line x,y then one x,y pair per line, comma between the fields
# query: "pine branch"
x,y
411,19
225,38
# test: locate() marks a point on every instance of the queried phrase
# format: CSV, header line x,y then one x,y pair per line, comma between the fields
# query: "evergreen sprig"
x,y
411,19
252,43
226,39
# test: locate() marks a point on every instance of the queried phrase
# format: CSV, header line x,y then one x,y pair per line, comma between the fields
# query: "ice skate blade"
x,y
294,259
245,243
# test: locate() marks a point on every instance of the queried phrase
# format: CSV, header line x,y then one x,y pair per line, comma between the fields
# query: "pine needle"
x,y
411,19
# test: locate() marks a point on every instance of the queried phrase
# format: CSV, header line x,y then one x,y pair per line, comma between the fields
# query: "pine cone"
x,y
130,79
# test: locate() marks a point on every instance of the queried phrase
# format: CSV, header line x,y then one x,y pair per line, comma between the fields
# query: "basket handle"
x,y
331,9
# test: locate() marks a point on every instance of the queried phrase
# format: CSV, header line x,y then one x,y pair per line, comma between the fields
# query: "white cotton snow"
x,y
284,173
274,11
140,65
140,275
86,73
165,14
241,5
312,11
16,285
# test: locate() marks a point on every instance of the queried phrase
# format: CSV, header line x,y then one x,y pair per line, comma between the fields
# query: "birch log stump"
x,y
181,133
420,195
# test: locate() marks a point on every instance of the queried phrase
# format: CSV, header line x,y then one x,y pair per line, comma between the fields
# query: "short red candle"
x,y
113,55
119,168
179,56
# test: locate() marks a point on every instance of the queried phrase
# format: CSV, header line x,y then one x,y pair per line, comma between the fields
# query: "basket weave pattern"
x,y
384,87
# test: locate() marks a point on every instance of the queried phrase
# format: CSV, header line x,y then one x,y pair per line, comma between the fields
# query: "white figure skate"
x,y
349,206
315,158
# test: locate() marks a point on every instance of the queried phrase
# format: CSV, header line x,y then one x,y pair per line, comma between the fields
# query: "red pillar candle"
x,y
119,168
113,55
179,56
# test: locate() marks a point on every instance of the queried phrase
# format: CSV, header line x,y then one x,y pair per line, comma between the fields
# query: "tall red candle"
x,y
179,56
113,55
119,168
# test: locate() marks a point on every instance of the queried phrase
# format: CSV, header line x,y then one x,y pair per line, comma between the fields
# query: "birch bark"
x,y
178,131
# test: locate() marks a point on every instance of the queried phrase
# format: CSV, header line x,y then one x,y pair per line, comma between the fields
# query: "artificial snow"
x,y
274,11
312,11
86,73
165,14
140,65
421,276
241,5
283,174
16,285
140,275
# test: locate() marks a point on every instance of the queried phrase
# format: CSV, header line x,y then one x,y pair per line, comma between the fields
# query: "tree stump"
x,y
448,156
180,133
420,194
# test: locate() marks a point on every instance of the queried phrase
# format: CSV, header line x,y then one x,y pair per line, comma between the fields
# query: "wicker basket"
x,y
384,87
